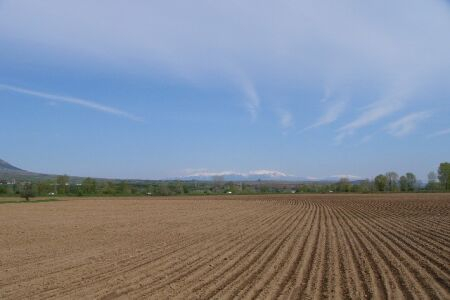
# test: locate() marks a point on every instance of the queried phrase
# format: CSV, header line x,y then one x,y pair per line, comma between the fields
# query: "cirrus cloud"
x,y
407,124
306,43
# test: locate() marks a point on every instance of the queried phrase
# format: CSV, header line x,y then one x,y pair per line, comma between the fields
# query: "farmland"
x,y
261,246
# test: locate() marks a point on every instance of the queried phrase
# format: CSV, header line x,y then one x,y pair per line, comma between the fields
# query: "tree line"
x,y
389,182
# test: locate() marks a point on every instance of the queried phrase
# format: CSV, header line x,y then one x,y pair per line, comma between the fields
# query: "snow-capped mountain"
x,y
236,176
267,175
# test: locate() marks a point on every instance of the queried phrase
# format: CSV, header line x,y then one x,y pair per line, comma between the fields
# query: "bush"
x,y
27,191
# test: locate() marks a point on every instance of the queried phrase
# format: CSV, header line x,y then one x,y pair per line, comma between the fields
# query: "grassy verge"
x,y
21,200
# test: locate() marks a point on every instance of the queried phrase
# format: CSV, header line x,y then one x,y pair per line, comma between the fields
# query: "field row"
x,y
285,246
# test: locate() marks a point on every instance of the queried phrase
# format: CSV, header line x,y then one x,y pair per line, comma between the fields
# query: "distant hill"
x,y
10,172
262,175
4,166
266,175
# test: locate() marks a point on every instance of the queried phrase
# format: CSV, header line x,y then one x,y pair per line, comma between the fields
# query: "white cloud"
x,y
271,173
440,133
205,173
332,112
286,119
348,176
280,44
407,124
394,101
72,100
251,101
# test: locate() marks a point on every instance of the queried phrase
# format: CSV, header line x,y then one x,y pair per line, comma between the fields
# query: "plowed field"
x,y
288,246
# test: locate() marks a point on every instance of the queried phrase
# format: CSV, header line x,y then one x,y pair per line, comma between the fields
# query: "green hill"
x,y
9,172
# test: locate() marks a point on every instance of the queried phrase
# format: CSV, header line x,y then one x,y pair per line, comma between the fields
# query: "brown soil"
x,y
265,247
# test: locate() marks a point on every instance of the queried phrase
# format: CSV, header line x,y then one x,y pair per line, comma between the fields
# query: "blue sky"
x,y
157,89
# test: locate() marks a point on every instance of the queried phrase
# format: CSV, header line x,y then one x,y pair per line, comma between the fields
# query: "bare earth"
x,y
285,246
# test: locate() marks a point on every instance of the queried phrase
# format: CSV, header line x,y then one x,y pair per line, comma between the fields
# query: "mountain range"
x,y
265,175
9,172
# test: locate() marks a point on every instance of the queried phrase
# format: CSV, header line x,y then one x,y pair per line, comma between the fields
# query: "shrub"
x,y
27,191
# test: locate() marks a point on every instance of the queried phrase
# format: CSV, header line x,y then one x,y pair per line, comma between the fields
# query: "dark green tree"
x,y
411,182
444,175
344,185
365,186
164,189
123,188
392,181
403,183
179,188
108,188
26,191
62,183
44,187
89,186
380,183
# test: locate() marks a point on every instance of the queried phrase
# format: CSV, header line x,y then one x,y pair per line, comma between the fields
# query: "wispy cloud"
x,y
286,118
440,133
263,172
72,100
373,113
331,114
360,52
251,101
407,124
348,176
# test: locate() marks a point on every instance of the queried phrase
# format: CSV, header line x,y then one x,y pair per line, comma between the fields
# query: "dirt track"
x,y
298,246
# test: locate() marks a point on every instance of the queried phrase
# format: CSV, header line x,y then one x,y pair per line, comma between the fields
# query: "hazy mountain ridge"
x,y
263,175
5,166
10,172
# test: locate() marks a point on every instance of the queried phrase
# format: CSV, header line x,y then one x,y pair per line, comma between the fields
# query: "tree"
x,y
108,188
62,182
123,188
186,188
344,185
433,184
411,182
3,189
364,186
432,177
27,191
164,189
444,175
89,186
218,182
403,184
380,183
264,189
392,181
179,188
44,187
150,189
